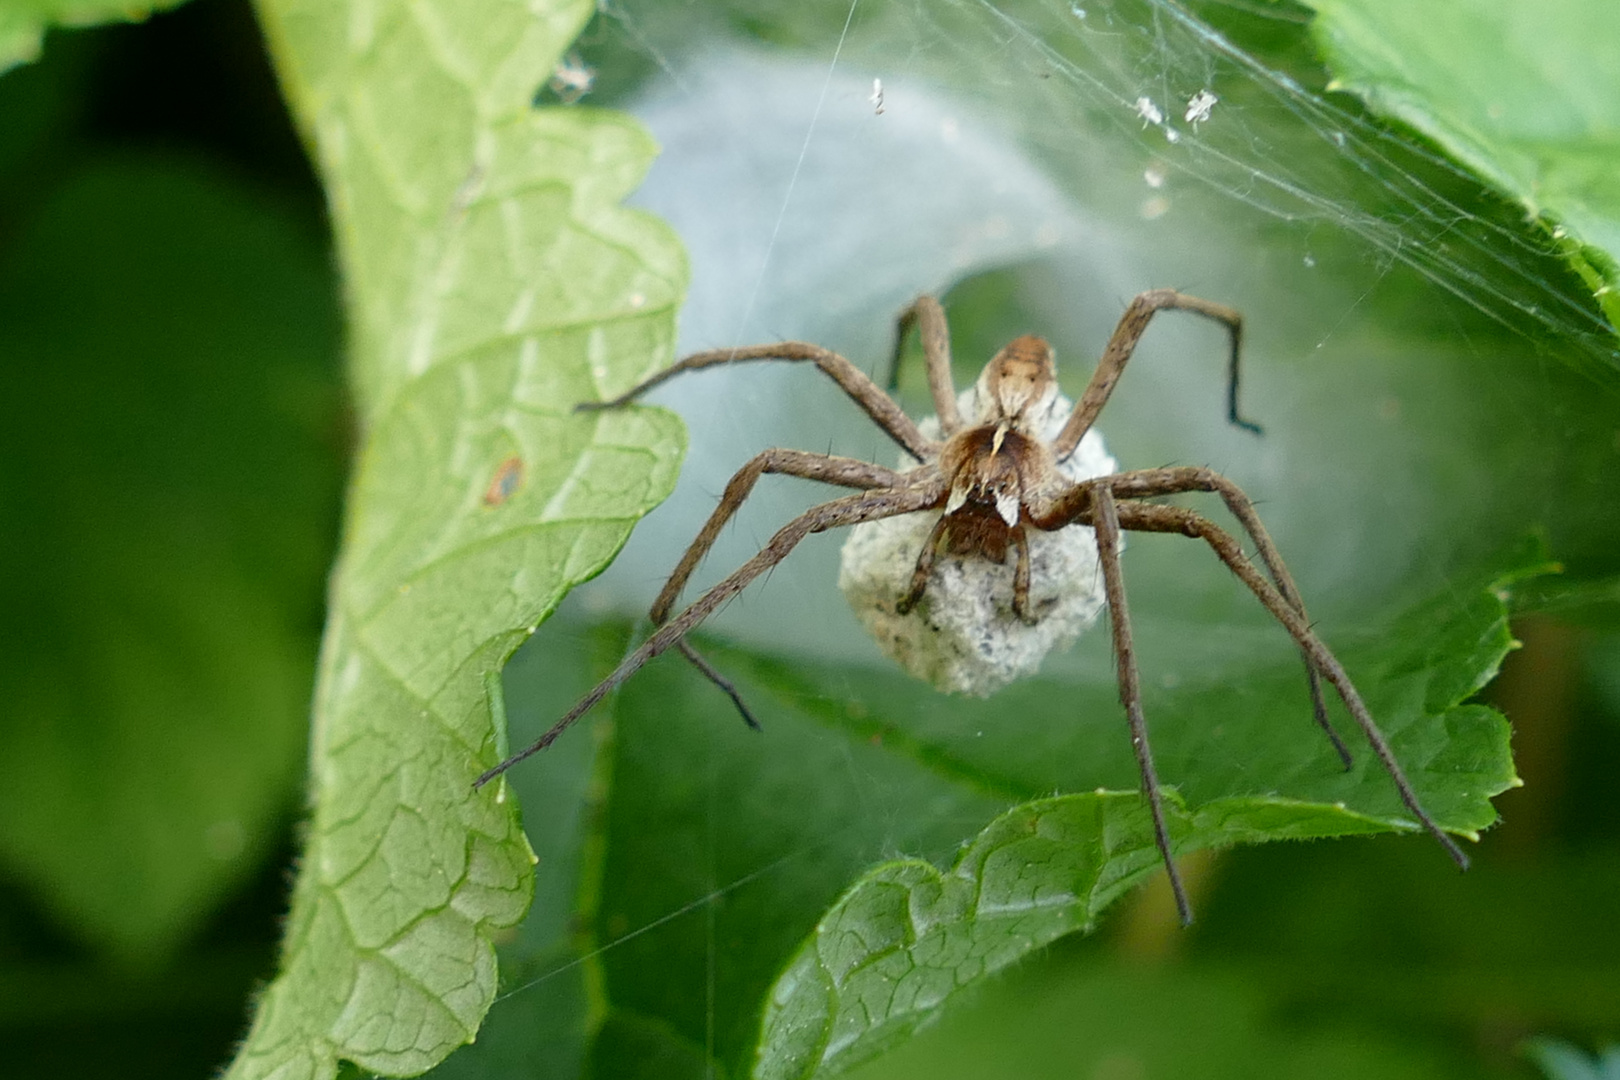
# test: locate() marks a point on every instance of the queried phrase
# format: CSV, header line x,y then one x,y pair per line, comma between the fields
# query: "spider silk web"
x,y
826,162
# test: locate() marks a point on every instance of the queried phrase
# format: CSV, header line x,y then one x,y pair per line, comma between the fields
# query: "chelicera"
x,y
993,479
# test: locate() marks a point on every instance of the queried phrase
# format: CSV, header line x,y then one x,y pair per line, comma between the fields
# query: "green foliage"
x,y
854,764
493,282
708,901
162,582
722,853
1526,98
905,938
1313,960
23,22
1126,1020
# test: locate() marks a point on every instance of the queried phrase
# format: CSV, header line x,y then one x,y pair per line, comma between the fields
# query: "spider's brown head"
x,y
1018,382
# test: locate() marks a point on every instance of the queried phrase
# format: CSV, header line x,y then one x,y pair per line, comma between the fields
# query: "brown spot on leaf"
x,y
504,484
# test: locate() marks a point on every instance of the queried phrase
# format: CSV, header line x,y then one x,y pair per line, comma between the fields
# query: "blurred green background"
x,y
172,450
172,446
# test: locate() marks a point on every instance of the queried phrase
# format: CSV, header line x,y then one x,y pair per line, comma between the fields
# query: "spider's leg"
x,y
924,567
1149,518
1242,508
1020,600
1126,334
846,472
726,686
1144,483
849,510
902,327
828,469
929,318
854,382
1106,522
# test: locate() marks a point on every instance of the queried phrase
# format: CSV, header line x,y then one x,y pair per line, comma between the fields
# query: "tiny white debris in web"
x,y
572,78
1199,106
877,97
963,636
1148,111
1154,175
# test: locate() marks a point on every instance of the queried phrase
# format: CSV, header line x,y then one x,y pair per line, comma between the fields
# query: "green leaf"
x,y
1072,1016
906,938
1302,962
493,282
725,847
167,411
23,22
1528,97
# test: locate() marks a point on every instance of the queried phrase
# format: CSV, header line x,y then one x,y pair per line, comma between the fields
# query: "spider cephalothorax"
x,y
995,468
992,480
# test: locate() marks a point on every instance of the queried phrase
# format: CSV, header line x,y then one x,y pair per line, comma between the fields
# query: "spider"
x,y
993,480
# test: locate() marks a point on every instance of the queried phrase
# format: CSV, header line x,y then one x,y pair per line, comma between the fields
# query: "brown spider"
x,y
994,479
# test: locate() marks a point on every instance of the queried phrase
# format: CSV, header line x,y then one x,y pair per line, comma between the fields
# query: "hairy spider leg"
x,y
826,468
1143,483
1147,517
1019,539
926,314
836,513
727,687
1127,333
1105,522
924,567
845,472
1121,345
851,379
903,324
